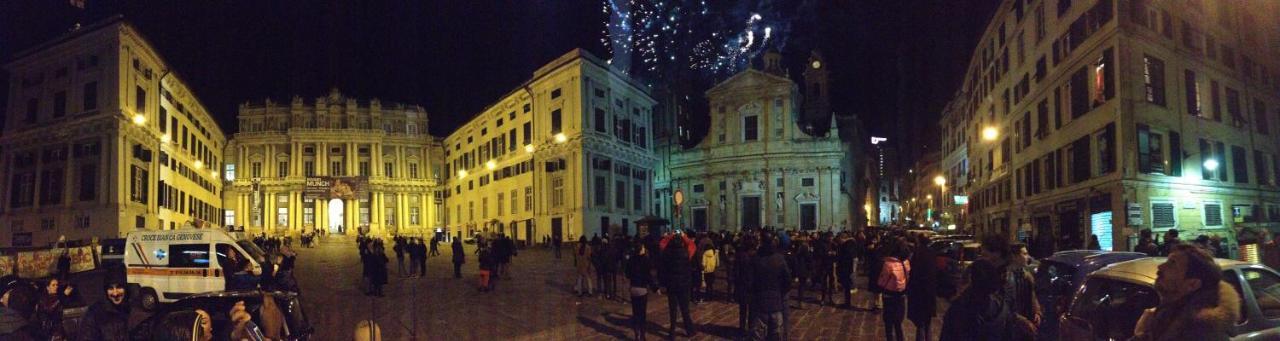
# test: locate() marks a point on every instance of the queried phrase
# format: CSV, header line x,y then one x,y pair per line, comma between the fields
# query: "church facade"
x,y
757,166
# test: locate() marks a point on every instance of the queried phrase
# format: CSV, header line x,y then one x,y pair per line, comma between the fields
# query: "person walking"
x,y
399,248
640,278
825,259
488,264
583,265
710,261
742,272
676,275
846,265
459,257
801,265
378,273
435,246
922,289
767,281
1146,244
421,251
893,281
555,245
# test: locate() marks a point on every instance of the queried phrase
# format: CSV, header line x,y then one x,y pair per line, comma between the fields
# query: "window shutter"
x,y
1212,214
1175,154
1144,144
1162,215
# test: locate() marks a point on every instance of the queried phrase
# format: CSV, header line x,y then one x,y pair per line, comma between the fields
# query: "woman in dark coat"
x,y
378,261
638,274
922,292
459,257
873,258
802,268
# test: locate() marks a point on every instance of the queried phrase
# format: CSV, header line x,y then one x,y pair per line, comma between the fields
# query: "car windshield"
x,y
253,250
1112,307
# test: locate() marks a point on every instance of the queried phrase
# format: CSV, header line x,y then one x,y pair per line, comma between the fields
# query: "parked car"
x,y
969,250
1060,275
217,304
1112,299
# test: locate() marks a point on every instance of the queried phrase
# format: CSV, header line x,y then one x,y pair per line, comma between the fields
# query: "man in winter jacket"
x,y
19,303
979,313
1195,304
676,275
767,284
108,319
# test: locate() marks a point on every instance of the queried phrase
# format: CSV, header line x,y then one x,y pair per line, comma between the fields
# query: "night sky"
x,y
890,59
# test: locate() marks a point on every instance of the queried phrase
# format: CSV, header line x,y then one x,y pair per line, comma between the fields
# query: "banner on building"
x,y
81,258
6,265
336,187
35,264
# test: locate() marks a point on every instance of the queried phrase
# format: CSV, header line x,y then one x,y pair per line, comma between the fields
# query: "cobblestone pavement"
x,y
536,303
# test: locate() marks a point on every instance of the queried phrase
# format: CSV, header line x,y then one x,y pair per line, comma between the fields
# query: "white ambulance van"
x,y
166,265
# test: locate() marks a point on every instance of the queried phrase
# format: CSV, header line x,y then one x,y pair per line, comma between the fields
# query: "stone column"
x,y
322,158
322,213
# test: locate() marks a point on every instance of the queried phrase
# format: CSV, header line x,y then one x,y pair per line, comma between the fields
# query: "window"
x,y
1266,291
557,191
528,198
1175,154
1112,307
364,167
1106,146
1212,214
1079,93
309,168
388,169
335,168
1239,164
256,170
33,110
600,121
60,105
698,188
555,93
620,194
1150,151
1162,215
750,128
282,169
140,100
555,121
413,170
514,205
90,96
139,181
88,182
1215,100
1260,117
309,215
601,190
1244,214
637,197
51,186
1193,93
1104,75
187,255
1260,168
414,214
806,182
1233,107
282,216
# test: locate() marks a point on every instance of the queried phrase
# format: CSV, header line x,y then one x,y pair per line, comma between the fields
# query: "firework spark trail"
x,y
648,38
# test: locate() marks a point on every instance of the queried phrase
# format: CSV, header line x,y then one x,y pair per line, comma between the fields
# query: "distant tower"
x,y
773,63
817,102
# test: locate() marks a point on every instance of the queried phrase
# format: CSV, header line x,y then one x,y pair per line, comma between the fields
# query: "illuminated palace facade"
x,y
334,163
101,138
1108,117
568,153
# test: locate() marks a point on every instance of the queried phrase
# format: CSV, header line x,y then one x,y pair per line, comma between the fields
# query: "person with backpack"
x,y
710,260
892,281
922,290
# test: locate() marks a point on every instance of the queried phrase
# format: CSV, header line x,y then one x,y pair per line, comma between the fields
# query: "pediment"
x,y
750,78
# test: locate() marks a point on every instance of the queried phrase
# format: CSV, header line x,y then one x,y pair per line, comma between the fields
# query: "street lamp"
x,y
491,164
1211,164
990,134
138,119
462,173
560,138
528,148
940,181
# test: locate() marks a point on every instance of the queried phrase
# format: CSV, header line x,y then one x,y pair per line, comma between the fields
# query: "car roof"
x,y
1077,258
1143,270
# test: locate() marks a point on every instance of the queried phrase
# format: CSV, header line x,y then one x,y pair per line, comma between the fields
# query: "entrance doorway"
x,y
700,219
336,207
557,231
750,213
